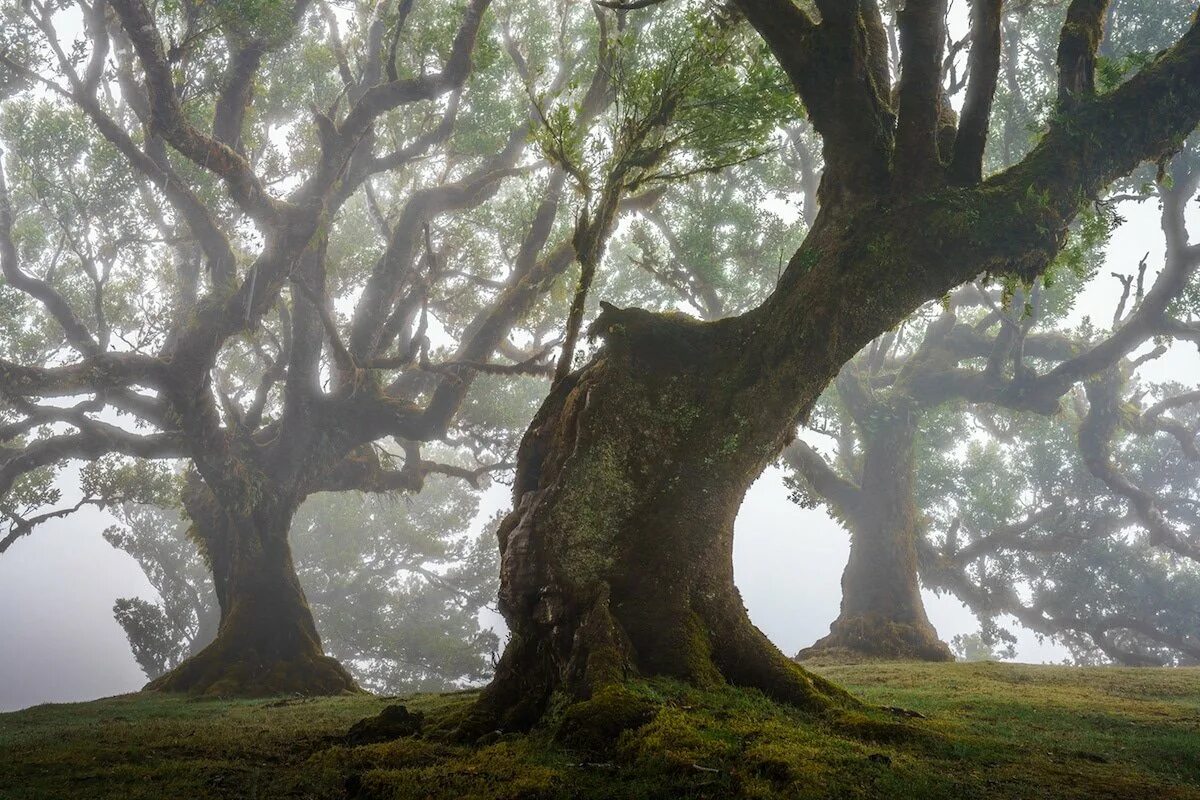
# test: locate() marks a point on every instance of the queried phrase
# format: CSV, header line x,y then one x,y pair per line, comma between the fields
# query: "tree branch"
x,y
922,42
1077,47
966,165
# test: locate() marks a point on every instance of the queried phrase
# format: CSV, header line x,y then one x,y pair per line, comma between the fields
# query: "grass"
x,y
985,730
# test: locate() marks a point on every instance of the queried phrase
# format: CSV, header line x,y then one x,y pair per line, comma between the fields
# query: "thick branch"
x,y
170,121
1077,48
843,494
966,166
922,41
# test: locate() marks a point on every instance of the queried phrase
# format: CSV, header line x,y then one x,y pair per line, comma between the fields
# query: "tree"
x,y
252,370
617,556
1069,559
895,406
979,647
395,588
1080,552
250,414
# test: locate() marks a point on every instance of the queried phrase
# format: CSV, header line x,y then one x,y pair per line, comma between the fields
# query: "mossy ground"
x,y
988,730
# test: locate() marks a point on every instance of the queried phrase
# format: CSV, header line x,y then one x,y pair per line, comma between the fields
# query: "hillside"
x,y
953,731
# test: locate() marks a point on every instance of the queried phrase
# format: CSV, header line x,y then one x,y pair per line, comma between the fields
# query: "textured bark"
x,y
882,614
617,558
267,642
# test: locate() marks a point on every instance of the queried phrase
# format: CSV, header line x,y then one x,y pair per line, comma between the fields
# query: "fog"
x,y
57,586
62,644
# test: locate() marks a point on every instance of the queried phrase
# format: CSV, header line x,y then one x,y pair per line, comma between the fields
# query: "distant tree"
x,y
1099,555
185,618
980,647
903,408
395,587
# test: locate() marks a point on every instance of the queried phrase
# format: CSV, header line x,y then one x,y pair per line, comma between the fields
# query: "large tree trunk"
x,y
267,642
617,557
882,613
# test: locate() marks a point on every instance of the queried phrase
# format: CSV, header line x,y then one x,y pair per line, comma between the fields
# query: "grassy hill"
x,y
953,731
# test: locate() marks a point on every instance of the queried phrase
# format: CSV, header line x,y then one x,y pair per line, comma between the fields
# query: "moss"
x,y
675,741
991,730
697,645
222,670
874,728
875,636
590,512
596,724
499,772
394,722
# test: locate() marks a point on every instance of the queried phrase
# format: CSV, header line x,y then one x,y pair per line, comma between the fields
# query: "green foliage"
x,y
1079,260
1112,72
979,647
692,95
114,479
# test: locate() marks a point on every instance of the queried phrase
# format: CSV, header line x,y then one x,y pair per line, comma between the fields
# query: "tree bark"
x,y
617,557
882,614
267,642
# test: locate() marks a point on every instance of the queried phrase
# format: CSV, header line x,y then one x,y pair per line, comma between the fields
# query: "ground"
x,y
983,730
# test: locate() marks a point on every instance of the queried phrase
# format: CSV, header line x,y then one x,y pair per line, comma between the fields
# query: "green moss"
x,y
676,741
503,771
701,669
596,724
594,505
598,494
872,728
989,730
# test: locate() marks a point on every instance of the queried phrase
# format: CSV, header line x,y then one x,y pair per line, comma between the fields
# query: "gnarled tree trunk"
x,y
882,614
267,642
617,558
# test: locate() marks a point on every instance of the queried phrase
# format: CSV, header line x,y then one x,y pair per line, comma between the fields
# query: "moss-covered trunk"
x,y
617,557
267,642
882,613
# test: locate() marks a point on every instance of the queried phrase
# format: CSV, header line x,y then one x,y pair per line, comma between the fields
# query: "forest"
x,y
419,355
